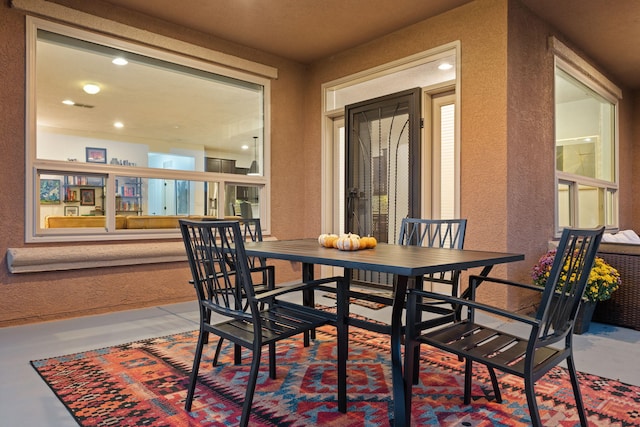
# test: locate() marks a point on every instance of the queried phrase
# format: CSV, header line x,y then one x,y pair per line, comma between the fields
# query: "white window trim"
x,y
163,48
125,32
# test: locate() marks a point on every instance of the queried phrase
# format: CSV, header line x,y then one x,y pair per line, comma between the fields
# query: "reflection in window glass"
x,y
611,208
242,200
591,206
564,205
584,130
585,152
141,107
65,200
173,197
128,137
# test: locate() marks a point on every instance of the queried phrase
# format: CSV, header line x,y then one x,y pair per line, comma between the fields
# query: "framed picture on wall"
x,y
87,197
96,155
49,191
71,211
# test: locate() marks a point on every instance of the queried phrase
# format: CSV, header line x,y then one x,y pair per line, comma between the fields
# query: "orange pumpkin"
x,y
368,242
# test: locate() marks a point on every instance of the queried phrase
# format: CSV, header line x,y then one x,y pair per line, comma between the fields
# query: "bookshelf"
x,y
128,196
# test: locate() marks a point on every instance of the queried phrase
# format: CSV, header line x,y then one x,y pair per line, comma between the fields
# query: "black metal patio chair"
x,y
251,231
551,328
222,278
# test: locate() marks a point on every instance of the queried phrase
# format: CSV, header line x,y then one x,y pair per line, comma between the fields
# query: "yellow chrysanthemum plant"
x,y
603,278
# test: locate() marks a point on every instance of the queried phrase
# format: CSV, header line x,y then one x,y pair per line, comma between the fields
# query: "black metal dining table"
x,y
403,261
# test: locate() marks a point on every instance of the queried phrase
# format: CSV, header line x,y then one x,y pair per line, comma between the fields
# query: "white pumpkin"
x,y
349,242
327,240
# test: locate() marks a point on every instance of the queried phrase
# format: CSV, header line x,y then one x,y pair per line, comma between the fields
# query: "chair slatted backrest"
x,y
566,283
219,266
252,232
435,233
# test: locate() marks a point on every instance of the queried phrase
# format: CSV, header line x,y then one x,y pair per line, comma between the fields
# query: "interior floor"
x,y
26,400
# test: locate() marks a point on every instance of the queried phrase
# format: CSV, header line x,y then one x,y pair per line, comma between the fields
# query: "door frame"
x,y
330,117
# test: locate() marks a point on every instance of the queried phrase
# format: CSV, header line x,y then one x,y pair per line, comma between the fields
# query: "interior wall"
x,y
36,297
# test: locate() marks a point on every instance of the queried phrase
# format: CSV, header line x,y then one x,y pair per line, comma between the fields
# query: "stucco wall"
x,y
506,152
634,154
44,296
530,144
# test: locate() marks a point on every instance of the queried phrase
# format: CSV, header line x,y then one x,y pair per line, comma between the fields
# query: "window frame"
x,y
577,68
157,47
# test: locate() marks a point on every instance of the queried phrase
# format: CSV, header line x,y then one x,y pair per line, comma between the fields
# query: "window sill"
x,y
34,260
60,258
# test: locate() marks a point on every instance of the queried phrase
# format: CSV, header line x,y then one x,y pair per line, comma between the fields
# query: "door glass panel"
x,y
447,162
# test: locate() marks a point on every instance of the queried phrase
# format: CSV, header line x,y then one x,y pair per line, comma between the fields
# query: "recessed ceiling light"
x,y
445,66
245,147
91,88
119,61
68,102
118,125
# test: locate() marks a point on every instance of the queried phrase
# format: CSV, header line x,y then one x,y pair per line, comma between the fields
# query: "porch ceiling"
x,y
309,30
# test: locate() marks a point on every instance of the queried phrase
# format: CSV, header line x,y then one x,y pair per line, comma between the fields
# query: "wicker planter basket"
x,y
623,309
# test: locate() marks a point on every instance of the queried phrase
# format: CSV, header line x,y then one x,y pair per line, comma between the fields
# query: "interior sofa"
x,y
134,222
622,251
54,221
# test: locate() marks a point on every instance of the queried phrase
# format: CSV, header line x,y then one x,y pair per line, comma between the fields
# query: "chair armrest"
x,y
414,293
296,287
481,279
261,268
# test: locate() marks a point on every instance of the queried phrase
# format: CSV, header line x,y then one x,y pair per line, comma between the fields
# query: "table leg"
x,y
396,357
342,326
308,299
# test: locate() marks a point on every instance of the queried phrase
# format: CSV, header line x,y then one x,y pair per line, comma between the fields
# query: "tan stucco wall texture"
x,y
507,154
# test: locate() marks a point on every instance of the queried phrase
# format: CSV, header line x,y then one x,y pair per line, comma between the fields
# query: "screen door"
x,y
382,168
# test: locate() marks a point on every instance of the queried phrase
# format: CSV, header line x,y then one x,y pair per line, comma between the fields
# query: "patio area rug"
x,y
143,384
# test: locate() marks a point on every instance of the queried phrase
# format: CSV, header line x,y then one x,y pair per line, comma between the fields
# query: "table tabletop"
x,y
386,258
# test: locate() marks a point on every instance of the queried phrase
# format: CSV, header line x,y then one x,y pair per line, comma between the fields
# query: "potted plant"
x,y
603,281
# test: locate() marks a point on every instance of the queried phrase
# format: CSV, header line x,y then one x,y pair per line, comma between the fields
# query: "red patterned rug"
x,y
143,384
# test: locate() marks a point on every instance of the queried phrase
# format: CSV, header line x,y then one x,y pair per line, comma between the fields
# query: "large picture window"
x,y
152,136
585,149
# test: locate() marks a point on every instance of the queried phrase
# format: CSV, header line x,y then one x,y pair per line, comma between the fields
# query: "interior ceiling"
x,y
309,30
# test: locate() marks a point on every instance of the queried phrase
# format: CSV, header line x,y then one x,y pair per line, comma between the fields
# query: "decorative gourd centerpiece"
x,y
347,242
327,240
